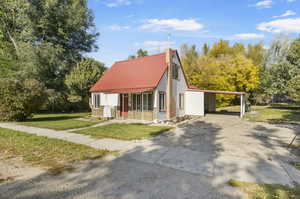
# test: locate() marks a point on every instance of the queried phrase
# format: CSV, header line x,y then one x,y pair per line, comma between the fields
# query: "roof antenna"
x,y
169,40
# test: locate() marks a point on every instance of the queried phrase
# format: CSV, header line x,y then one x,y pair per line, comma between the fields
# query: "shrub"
x,y
19,99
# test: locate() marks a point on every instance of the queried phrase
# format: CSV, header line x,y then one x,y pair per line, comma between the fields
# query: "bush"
x,y
19,99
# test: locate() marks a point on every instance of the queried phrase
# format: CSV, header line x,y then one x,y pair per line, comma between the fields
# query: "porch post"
x,y
242,106
142,106
123,107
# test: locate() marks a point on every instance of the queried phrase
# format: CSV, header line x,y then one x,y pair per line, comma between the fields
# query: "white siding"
x,y
194,103
109,99
162,86
179,86
106,99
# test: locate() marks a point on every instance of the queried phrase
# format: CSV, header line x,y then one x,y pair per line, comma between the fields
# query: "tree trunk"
x,y
14,43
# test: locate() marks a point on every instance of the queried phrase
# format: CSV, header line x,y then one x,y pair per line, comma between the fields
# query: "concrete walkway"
x,y
105,143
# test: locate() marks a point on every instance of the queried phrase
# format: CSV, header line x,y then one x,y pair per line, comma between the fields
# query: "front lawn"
x,y
275,113
124,131
60,121
42,151
266,191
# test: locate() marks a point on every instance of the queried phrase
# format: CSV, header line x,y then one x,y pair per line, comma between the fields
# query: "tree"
x,y
141,53
19,99
256,53
85,74
220,49
205,49
294,88
293,56
14,21
189,59
131,57
238,48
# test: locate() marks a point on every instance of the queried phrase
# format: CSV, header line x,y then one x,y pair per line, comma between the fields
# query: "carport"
x,y
200,102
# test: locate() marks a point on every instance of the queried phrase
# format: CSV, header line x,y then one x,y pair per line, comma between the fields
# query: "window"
x,y
175,71
96,100
181,101
162,101
147,102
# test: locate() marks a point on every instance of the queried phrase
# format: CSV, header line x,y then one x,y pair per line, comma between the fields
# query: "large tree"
x,y
83,76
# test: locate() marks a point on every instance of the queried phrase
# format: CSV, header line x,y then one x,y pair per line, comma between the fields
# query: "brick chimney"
x,y
169,84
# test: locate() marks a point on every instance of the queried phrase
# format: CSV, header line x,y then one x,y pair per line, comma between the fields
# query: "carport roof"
x,y
217,92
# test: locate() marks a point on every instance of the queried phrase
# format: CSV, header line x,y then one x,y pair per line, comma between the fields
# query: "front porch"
x,y
136,106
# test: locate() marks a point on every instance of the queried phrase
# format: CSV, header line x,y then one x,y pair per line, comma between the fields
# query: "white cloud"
x,y
264,4
116,27
158,43
173,24
247,36
290,25
286,14
116,3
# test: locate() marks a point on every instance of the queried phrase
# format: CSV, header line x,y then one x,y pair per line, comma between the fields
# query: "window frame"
x,y
160,108
97,100
181,101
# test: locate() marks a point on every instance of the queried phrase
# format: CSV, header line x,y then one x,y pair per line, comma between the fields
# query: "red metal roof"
x,y
193,88
135,75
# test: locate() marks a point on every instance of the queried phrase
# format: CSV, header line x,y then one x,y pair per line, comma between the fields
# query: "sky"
x,y
128,25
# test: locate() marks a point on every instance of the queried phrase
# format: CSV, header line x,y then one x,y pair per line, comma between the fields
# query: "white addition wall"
x,y
179,86
109,99
162,86
106,99
194,103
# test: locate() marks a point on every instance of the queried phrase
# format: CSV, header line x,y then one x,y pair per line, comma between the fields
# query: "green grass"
x,y
124,131
266,191
57,155
60,121
275,114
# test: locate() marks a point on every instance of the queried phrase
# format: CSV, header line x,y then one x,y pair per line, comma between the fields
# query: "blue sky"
x,y
127,25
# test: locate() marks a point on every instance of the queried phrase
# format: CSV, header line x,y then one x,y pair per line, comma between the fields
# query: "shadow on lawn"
x,y
151,172
51,118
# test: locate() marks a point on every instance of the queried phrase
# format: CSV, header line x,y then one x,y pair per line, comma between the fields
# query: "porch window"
x,y
147,101
181,101
96,100
162,101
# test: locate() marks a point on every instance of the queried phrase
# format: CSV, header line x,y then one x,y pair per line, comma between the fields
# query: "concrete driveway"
x,y
193,161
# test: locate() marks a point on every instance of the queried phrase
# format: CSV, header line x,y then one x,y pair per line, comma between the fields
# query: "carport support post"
x,y
242,109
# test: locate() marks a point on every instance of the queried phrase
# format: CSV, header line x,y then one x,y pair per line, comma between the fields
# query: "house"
x,y
151,88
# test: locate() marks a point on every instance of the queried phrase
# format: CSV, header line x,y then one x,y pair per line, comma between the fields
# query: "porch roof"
x,y
127,90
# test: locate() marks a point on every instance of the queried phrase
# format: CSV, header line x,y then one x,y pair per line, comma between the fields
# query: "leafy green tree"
x,y
68,24
238,48
205,49
14,22
189,59
294,88
256,53
131,57
141,53
293,56
220,49
85,74
19,99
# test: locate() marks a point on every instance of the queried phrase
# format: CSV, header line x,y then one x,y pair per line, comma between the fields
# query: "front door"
x,y
124,105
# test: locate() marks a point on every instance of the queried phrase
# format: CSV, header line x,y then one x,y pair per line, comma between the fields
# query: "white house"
x,y
151,88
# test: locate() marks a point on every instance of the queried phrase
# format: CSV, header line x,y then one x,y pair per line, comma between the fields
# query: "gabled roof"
x,y
135,75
